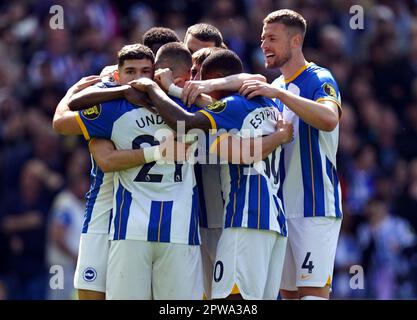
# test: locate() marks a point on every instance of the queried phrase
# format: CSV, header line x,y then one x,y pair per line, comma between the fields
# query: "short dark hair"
x,y
288,18
205,32
156,37
200,55
134,52
174,56
223,61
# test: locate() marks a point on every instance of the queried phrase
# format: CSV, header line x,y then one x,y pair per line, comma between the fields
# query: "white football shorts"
x,y
142,270
311,251
90,273
249,262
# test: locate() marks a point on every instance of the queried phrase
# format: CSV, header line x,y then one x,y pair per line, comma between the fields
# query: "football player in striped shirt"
x,y
251,249
207,174
90,275
177,57
311,191
154,225
310,99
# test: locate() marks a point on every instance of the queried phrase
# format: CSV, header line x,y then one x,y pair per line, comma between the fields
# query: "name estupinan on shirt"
x,y
264,114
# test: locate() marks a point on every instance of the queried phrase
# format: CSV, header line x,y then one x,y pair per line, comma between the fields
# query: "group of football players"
x,y
208,182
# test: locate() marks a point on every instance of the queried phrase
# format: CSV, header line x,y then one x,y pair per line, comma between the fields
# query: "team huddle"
x,y
208,182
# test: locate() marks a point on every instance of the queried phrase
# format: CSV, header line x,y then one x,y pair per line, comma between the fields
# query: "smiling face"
x,y
277,42
135,68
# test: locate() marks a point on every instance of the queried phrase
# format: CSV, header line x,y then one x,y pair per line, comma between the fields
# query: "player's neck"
x,y
294,65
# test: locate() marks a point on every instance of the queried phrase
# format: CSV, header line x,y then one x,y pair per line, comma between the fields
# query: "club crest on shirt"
x,y
217,106
89,274
91,113
329,90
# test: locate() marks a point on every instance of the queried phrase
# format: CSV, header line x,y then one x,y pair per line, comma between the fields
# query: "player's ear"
x,y
297,41
116,75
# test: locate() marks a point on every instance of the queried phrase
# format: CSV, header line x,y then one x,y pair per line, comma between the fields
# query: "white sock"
x,y
313,298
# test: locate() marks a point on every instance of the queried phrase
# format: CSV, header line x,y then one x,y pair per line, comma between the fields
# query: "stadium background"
x,y
375,67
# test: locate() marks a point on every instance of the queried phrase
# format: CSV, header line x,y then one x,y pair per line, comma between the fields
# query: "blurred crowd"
x,y
43,177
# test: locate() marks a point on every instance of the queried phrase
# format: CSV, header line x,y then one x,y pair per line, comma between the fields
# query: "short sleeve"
x,y
226,114
97,121
325,88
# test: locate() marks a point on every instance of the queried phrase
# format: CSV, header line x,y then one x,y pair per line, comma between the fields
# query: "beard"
x,y
278,62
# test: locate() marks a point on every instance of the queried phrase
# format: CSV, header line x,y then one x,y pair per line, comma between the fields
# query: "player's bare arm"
x,y
171,113
323,115
165,80
109,159
64,121
244,150
168,109
94,95
193,89
233,148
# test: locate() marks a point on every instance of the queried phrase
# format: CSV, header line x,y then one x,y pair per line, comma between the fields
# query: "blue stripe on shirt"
x,y
258,209
159,228
281,176
200,186
281,218
165,225
110,220
234,208
96,180
332,174
311,171
123,202
193,238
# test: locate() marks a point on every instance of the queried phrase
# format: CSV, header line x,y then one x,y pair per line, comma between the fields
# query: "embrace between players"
x,y
161,222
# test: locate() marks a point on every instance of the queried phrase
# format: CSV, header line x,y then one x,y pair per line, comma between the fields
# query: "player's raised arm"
x,y
109,159
95,95
64,121
168,109
165,80
194,89
322,115
239,150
